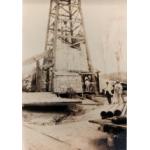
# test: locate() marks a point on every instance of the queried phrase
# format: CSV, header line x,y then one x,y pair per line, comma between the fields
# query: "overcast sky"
x,y
105,25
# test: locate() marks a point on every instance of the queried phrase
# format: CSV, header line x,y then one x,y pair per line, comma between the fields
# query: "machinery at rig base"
x,y
66,60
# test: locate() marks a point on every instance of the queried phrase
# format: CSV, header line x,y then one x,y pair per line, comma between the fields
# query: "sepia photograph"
x,y
74,74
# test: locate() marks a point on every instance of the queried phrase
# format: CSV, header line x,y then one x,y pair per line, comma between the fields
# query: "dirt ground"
x,y
67,129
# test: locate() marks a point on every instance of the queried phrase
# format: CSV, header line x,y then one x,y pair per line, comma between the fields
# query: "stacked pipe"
x,y
110,114
119,122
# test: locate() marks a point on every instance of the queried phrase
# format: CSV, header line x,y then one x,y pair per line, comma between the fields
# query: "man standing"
x,y
87,84
118,92
108,92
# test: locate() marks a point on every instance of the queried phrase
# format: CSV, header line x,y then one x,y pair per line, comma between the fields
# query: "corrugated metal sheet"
x,y
63,82
70,59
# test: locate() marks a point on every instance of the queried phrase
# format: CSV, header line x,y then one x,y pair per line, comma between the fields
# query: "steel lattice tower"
x,y
65,39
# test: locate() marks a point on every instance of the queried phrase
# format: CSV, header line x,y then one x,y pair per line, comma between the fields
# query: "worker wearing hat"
x,y
87,84
118,89
108,92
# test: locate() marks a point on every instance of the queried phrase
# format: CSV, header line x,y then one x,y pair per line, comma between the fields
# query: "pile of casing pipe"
x,y
119,120
110,114
113,129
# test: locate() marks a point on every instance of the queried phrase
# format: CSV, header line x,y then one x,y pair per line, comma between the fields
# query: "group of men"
x,y
114,93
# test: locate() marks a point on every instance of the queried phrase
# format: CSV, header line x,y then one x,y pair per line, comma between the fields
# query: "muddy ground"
x,y
65,128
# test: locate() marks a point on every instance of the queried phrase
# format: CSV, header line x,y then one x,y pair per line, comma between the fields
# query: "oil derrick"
x,y
65,41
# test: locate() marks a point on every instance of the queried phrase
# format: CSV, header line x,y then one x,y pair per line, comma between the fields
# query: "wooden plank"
x,y
107,122
51,102
58,103
46,99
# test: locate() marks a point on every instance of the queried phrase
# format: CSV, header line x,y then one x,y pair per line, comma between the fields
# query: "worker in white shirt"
x,y
118,90
87,84
108,92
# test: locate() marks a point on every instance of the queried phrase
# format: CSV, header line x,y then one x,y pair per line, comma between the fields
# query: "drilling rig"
x,y
66,60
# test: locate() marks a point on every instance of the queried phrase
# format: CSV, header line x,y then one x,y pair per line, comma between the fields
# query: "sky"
x,y
105,26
